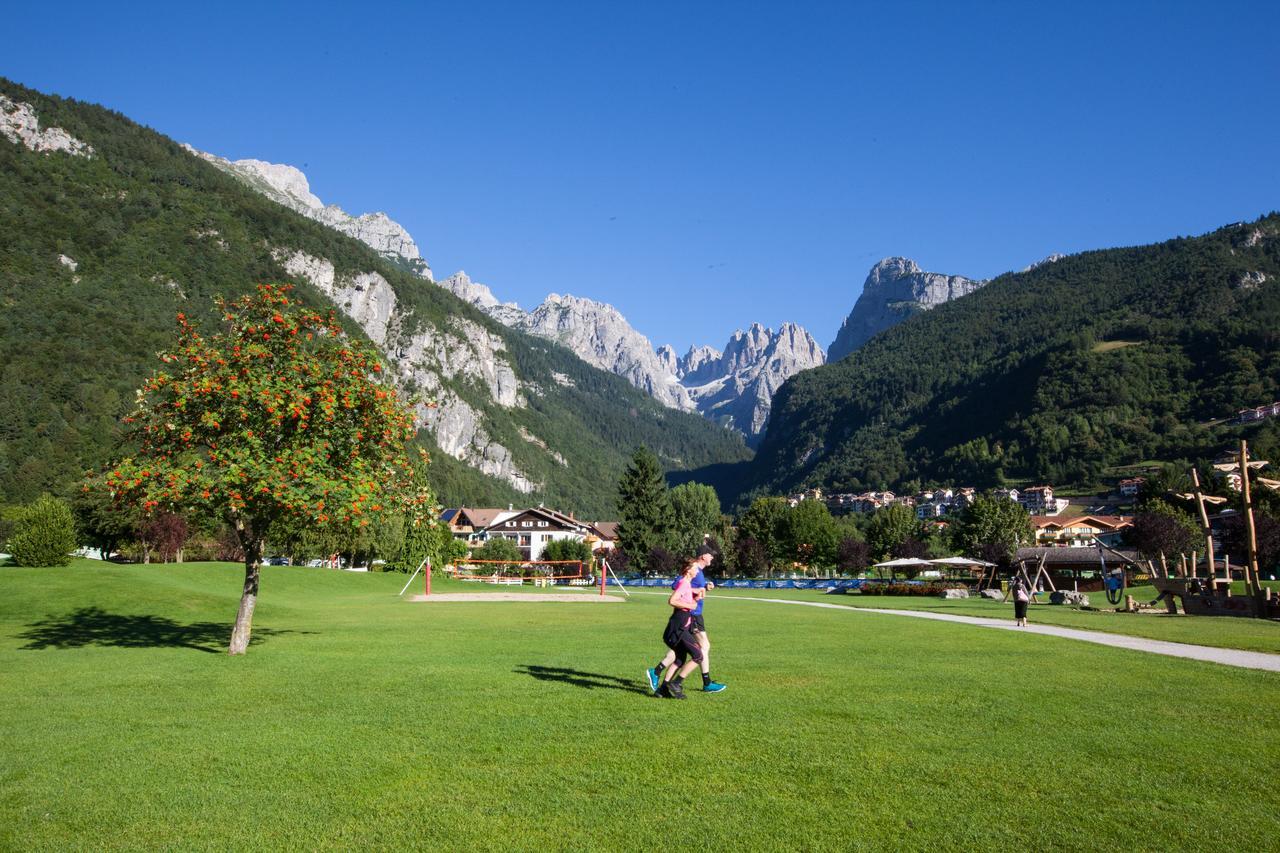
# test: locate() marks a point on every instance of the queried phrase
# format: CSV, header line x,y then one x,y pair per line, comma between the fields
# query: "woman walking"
x,y
1021,597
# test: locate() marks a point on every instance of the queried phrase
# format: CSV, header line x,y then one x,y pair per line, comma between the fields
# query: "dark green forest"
x,y
1106,358
154,231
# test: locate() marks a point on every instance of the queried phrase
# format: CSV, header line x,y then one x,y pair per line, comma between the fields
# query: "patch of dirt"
x,y
512,596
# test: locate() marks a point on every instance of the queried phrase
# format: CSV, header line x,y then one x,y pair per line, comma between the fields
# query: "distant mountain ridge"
x,y
735,387
737,397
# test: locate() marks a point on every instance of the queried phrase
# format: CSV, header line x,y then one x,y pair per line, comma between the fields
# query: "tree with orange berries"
x,y
278,418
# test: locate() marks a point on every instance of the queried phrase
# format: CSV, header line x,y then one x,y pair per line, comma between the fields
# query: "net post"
x,y
602,579
428,581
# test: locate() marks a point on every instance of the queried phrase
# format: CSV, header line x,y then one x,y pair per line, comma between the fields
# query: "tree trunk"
x,y
249,597
244,617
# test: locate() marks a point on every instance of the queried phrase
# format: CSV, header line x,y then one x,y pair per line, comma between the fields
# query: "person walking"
x,y
700,585
1021,598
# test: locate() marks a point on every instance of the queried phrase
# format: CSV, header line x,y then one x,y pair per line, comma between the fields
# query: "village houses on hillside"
x,y
934,504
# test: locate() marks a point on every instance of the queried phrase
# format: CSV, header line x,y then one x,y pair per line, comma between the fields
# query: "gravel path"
x,y
1229,657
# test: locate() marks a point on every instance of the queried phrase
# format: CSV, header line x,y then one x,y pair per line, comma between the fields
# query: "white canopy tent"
x,y
902,563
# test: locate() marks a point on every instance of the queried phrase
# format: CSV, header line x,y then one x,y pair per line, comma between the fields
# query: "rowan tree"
x,y
276,418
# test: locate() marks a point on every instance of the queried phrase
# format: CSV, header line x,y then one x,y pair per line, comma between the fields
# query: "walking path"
x,y
1212,654
1229,657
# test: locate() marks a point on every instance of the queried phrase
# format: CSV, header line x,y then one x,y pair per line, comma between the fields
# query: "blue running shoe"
x,y
652,675
713,687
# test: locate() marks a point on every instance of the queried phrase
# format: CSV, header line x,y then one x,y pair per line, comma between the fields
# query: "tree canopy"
x,y
277,418
644,506
992,527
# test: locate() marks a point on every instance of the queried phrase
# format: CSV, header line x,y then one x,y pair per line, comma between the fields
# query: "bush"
x,y
568,549
44,534
922,589
503,552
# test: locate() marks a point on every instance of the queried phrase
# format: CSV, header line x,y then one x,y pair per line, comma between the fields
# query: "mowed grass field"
x,y
360,720
1222,632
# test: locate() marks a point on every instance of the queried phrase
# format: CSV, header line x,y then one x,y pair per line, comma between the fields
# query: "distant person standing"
x,y
700,585
1021,597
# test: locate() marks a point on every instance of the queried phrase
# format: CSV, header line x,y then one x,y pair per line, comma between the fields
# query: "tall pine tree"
x,y
647,517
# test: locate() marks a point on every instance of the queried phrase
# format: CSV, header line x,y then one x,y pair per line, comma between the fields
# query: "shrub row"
x,y
924,589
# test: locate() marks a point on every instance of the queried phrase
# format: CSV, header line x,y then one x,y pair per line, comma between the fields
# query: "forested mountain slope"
x,y
1104,358
101,247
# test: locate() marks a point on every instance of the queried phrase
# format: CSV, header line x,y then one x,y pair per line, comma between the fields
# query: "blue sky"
x,y
703,166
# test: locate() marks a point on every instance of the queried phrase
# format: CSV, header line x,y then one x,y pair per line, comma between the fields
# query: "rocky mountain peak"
x,y
598,334
736,387
895,289
699,364
288,186
891,269
1052,259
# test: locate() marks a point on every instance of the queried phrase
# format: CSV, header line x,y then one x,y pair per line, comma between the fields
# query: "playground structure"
x,y
1210,595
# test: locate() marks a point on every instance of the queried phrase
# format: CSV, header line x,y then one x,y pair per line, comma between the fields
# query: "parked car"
x,y
278,561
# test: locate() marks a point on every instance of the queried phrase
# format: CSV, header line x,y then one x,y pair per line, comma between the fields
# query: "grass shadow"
x,y
93,626
578,678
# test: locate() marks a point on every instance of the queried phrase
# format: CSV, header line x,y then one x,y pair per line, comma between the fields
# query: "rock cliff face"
x,y
599,335
289,187
895,289
479,295
460,351
735,388
19,125
594,331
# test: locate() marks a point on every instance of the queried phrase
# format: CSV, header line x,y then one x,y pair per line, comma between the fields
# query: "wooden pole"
x,y
1204,523
1251,564
1164,564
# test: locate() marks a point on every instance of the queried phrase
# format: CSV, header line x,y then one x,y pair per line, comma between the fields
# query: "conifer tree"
x,y
645,507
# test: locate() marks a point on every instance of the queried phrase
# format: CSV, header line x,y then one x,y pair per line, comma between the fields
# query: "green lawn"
x,y
358,720
1220,631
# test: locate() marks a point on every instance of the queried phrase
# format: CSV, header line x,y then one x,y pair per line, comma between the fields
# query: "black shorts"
x,y
1020,610
679,637
698,625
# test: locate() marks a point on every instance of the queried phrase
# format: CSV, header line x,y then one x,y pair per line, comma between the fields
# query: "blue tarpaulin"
x,y
756,583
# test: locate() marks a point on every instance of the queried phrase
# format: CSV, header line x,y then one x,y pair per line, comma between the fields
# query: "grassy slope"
x,y
359,720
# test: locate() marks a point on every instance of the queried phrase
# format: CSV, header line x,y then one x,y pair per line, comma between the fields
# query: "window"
x,y
526,524
542,524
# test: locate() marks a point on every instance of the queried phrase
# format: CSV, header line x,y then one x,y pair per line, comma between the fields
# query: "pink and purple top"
x,y
683,595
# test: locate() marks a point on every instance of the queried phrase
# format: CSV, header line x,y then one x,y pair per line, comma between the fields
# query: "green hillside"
x,y
153,230
1104,358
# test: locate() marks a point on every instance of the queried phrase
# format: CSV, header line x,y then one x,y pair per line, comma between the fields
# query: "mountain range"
x,y
733,387
1055,373
108,230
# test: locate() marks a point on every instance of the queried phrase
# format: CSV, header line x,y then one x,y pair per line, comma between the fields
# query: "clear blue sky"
x,y
706,165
